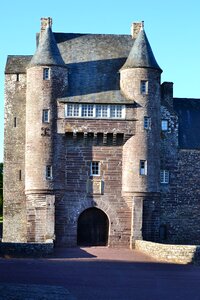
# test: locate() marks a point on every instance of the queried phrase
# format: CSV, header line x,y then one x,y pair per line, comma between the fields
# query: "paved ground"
x,y
97,273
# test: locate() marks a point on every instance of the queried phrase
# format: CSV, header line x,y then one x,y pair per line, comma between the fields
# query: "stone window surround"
x,y
143,87
46,73
164,176
49,172
95,168
143,167
147,122
45,115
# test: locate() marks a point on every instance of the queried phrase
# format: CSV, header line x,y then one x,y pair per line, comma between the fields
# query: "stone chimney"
x,y
135,28
44,23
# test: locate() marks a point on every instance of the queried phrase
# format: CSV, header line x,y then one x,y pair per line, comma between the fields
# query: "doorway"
x,y
93,226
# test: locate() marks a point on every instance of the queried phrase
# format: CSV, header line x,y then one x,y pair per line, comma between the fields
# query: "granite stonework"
x,y
50,190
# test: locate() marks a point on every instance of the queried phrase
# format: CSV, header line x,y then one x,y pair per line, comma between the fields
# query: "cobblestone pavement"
x,y
98,273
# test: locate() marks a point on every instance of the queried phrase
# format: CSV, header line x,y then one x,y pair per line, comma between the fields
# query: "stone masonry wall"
x,y
84,191
179,206
14,228
181,254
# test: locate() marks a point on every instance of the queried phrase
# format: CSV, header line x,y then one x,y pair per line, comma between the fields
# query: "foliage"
x,y
1,188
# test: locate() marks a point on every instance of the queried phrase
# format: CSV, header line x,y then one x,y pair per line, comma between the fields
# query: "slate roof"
x,y
47,52
141,54
93,62
188,111
17,63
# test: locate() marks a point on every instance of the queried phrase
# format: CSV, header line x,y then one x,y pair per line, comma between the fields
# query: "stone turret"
x,y
140,82
46,81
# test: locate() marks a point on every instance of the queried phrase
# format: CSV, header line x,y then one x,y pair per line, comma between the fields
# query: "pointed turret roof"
x,y
141,54
47,52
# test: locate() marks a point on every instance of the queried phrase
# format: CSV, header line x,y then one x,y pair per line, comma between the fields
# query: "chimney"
x,y
135,28
44,23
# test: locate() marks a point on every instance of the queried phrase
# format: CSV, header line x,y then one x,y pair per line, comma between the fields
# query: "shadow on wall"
x,y
94,76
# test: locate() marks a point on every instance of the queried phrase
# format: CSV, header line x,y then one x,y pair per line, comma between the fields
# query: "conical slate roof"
x,y
47,52
141,54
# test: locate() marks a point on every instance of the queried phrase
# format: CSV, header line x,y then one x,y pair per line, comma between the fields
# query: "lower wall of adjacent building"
x,y
182,254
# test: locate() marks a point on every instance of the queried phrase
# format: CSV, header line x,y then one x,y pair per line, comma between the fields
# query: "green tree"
x,y
1,188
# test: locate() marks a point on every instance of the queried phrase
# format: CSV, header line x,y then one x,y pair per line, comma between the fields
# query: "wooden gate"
x,y
93,226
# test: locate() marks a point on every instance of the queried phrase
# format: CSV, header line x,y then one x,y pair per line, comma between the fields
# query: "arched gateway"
x,y
93,226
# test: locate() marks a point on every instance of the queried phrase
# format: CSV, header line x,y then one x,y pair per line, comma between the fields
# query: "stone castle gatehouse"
x,y
97,150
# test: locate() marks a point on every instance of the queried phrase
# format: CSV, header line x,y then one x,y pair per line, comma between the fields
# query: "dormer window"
x,y
143,87
46,73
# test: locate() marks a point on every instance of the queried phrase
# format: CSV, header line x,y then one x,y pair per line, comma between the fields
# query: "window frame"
x,y
147,123
144,87
46,73
143,167
95,165
164,176
166,126
95,111
49,172
44,119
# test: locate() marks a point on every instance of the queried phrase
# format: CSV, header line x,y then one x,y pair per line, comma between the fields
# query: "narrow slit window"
x,y
15,122
49,172
17,76
45,116
46,73
20,175
144,87
95,168
143,167
147,123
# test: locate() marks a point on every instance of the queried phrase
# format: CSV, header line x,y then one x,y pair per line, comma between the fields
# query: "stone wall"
x,y
14,210
84,191
181,254
26,249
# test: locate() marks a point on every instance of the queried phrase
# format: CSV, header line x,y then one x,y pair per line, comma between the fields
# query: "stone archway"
x,y
92,228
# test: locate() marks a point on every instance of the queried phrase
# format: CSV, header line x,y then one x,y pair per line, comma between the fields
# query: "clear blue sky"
x,y
172,28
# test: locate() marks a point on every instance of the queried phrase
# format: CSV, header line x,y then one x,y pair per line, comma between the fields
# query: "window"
x,y
102,111
143,86
143,167
164,176
45,116
95,111
116,111
20,175
73,110
48,172
147,123
87,110
17,77
15,122
95,168
164,125
46,73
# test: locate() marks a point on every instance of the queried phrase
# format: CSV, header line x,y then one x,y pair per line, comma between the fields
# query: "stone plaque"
x,y
95,186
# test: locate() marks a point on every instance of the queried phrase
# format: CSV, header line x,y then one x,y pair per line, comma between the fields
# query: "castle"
x,y
97,150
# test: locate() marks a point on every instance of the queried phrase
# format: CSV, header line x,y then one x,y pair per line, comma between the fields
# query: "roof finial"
x,y
142,25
